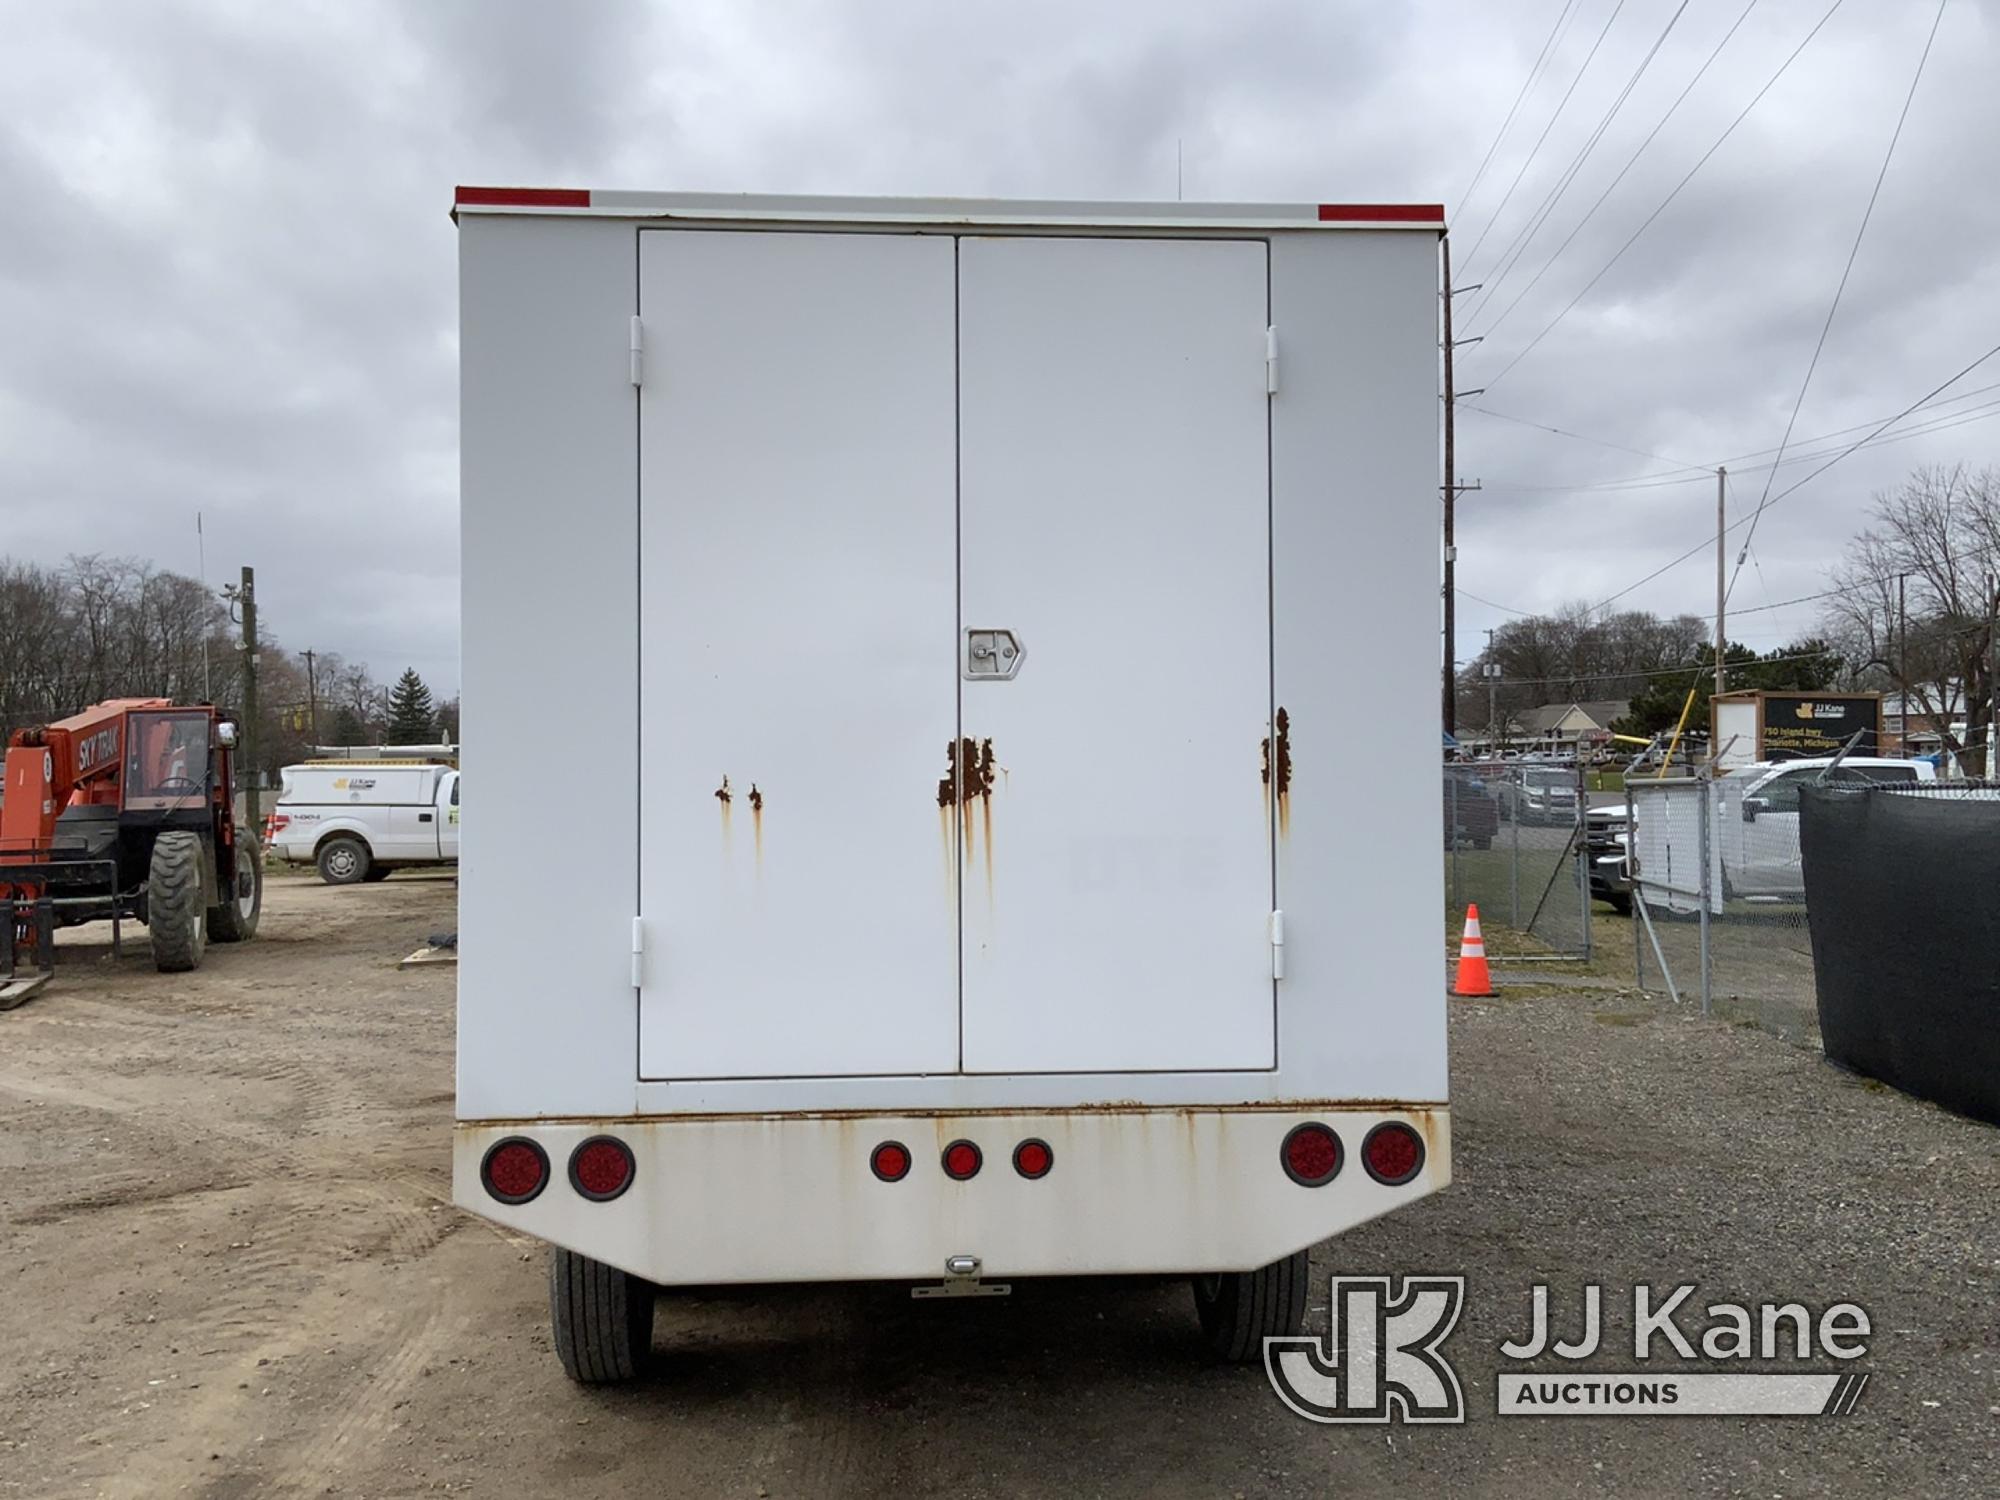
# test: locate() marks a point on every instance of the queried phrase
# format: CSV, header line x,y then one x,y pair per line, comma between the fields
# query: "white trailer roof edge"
x,y
967,212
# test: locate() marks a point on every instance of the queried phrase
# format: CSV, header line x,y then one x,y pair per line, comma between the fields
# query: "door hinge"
x,y
638,352
1277,945
1271,360
638,953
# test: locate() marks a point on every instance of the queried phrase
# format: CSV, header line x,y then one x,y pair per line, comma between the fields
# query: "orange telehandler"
x,y
126,809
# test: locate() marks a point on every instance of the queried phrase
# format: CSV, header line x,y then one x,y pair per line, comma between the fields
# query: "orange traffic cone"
x,y
1473,979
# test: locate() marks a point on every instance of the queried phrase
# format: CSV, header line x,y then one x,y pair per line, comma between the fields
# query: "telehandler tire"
x,y
175,912
235,920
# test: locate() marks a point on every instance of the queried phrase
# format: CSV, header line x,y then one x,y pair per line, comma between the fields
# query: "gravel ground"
x,y
231,1271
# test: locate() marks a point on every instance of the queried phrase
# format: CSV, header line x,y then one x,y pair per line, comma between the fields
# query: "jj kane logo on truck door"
x,y
1383,1358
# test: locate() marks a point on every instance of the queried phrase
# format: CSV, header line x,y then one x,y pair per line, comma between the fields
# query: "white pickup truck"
x,y
358,820
1757,818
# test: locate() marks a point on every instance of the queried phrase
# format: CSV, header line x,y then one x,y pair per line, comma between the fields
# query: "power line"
x,y
1507,609
1535,150
1853,252
1534,72
1487,411
1525,236
1675,193
1709,541
1985,412
1630,162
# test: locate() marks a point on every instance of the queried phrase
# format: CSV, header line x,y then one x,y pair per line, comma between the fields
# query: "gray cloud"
x,y
227,275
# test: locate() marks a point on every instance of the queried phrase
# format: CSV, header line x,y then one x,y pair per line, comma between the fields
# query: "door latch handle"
x,y
993,655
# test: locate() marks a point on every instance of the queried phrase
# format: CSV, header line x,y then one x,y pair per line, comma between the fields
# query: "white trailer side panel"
x,y
1354,539
797,598
1114,517
549,604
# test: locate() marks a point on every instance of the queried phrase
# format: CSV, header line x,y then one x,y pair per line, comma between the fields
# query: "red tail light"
x,y
1311,1154
601,1168
276,824
961,1161
515,1170
1033,1158
1393,1153
890,1161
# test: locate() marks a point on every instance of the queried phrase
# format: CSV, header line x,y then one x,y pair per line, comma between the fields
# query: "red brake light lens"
x,y
961,1161
515,1170
1311,1154
1033,1158
1393,1153
601,1168
890,1161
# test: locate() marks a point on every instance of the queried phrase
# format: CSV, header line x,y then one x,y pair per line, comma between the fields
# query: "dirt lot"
x,y
231,1270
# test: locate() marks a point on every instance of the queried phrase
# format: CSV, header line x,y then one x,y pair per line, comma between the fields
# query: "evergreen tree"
x,y
412,716
348,728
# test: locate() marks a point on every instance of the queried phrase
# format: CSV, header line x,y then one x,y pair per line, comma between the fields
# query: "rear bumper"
x,y
774,1198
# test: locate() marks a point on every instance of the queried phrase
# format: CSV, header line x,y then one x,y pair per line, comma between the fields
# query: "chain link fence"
x,y
1513,841
1719,912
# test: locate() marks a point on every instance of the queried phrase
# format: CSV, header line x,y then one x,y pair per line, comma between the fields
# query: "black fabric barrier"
x,y
1903,898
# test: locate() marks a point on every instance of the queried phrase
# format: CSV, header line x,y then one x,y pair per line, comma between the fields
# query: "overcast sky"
x,y
227,274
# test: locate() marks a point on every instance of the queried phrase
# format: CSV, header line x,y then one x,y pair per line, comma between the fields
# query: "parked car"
x,y
358,820
1607,835
1541,793
1470,814
1757,818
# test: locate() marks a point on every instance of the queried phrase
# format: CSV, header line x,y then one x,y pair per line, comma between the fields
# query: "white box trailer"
x,y
1014,628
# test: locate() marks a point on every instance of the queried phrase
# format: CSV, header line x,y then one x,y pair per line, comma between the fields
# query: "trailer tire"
x,y
176,916
343,860
1240,1309
235,920
602,1316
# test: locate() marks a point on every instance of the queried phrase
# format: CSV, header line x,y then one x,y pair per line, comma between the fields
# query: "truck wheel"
x,y
344,861
376,873
1240,1309
235,920
1620,902
174,909
603,1319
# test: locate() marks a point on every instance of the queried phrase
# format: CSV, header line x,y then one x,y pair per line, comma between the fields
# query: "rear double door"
x,y
955,655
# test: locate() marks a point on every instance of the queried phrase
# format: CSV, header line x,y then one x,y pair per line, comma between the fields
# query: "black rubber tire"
x,y
1620,903
176,914
603,1319
376,874
1240,1309
344,860
229,923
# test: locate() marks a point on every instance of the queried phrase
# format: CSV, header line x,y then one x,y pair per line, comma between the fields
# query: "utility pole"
x,y
1450,502
1721,588
312,700
1992,669
247,757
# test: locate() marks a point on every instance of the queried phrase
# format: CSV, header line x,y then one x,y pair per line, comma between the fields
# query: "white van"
x,y
951,585
358,820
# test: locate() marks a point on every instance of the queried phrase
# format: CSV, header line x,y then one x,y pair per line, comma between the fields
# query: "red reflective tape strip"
x,y
525,197
1382,213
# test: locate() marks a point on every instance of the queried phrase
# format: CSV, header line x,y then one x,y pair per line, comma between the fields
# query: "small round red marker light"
x,y
890,1161
961,1161
601,1168
1311,1154
1033,1158
514,1169
1393,1153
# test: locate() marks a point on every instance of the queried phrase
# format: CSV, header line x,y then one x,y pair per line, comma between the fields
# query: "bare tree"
x,y
1937,536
